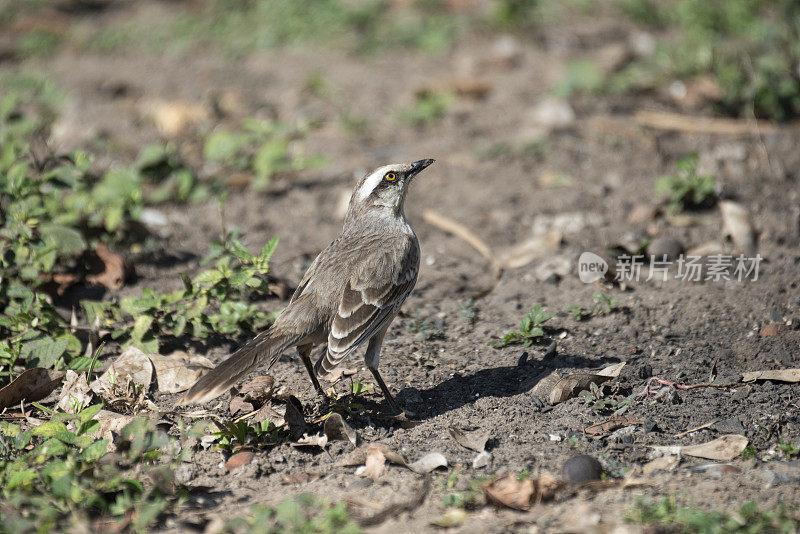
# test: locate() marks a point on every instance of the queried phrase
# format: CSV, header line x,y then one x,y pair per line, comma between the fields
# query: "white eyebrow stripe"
x,y
372,182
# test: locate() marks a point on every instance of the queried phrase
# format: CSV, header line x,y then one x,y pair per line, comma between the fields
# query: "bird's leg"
x,y
386,393
372,357
305,354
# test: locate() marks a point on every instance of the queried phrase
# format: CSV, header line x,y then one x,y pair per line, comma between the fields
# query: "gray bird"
x,y
349,295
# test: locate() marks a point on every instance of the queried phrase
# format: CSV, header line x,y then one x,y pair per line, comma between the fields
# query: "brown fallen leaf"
x,y
312,440
111,423
533,248
510,492
771,330
429,462
662,463
75,394
31,385
336,428
268,413
132,364
239,405
737,225
178,371
375,463
171,117
258,390
612,423
779,375
116,269
475,441
359,456
240,459
724,448
570,385
295,419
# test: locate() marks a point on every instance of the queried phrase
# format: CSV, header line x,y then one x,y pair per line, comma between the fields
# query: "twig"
x,y
459,230
695,429
648,389
396,509
662,120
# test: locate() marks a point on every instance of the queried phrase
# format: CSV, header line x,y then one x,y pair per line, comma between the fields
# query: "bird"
x,y
349,295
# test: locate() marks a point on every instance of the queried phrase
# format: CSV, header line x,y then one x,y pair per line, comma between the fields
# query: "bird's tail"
x,y
266,346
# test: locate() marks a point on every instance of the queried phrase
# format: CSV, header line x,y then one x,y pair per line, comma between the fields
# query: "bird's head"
x,y
385,188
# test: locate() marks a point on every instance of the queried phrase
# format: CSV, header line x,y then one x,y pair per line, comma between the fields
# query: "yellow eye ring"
x,y
390,176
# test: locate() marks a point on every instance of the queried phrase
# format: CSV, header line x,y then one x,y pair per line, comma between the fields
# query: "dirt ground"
x,y
675,330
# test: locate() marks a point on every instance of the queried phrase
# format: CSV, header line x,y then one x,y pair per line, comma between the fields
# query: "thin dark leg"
x,y
386,393
305,352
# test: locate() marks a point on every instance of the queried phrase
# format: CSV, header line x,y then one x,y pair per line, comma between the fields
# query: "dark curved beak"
x,y
417,166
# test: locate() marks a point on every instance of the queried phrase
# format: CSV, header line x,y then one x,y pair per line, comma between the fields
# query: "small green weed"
x,y
686,189
530,329
669,514
428,108
263,147
56,472
303,514
603,305
423,328
234,436
467,311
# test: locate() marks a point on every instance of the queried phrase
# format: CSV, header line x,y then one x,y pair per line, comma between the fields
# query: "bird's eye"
x,y
390,176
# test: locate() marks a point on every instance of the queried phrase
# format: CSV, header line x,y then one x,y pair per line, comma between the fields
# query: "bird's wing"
x,y
371,298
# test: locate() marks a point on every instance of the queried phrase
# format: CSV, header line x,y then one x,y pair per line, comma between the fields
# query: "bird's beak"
x,y
418,166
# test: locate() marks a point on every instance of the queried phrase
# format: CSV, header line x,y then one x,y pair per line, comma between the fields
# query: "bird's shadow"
x,y
460,390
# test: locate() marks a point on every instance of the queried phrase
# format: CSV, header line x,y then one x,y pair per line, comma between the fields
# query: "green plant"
x,y
56,472
603,303
302,514
596,399
423,328
788,448
428,108
668,513
466,309
749,452
233,436
530,329
748,48
686,189
263,147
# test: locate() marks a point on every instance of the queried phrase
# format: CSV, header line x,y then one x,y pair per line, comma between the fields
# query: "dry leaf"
x,y
171,117
429,462
268,413
335,428
359,456
111,423
779,375
375,464
132,364
475,441
178,371
239,405
523,253
509,492
612,423
724,448
312,440
75,394
31,385
294,418
612,370
116,268
453,517
737,225
259,390
240,459
663,463
570,385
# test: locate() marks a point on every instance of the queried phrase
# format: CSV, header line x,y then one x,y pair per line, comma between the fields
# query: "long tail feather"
x,y
265,346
